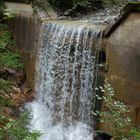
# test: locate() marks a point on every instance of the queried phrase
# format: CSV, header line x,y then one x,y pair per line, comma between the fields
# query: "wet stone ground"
x,y
102,16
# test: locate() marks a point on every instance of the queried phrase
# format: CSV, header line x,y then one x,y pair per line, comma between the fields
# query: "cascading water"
x,y
65,73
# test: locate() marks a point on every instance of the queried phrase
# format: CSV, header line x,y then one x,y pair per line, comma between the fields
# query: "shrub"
x,y
135,133
70,4
15,129
8,57
116,113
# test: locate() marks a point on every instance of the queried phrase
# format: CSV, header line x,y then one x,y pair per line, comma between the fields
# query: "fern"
x,y
5,39
5,88
5,85
15,129
10,59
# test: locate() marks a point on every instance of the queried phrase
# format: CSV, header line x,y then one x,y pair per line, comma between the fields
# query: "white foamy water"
x,y
56,131
65,70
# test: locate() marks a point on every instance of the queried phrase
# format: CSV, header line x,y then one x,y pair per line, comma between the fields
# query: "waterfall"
x,y
65,74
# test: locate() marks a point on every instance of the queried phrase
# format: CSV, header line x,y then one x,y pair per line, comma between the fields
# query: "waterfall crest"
x,y
65,73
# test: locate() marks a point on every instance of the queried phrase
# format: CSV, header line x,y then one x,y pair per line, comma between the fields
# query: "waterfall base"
x,y
42,120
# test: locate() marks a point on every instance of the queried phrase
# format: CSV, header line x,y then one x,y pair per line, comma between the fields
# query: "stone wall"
x,y
26,30
123,53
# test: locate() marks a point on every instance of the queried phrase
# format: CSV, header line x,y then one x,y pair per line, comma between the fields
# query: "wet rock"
x,y
78,15
7,73
63,17
20,77
103,136
67,13
17,76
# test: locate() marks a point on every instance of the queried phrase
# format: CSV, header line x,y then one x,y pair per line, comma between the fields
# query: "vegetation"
x,y
11,127
15,129
135,133
84,3
115,114
8,57
5,88
72,6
